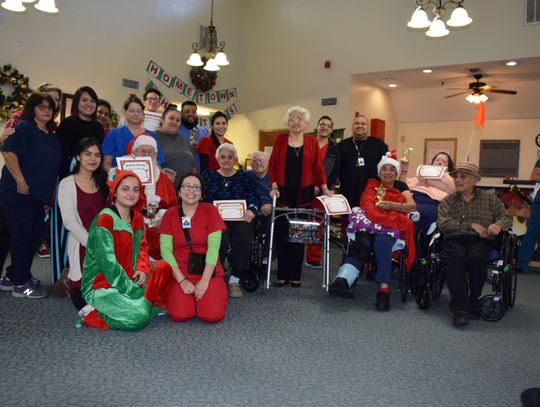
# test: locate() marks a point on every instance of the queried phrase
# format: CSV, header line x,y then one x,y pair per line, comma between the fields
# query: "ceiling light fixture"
x,y
46,6
215,57
437,28
427,70
511,63
476,98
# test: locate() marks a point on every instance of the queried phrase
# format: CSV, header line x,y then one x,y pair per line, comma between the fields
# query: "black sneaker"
x,y
460,319
29,290
382,301
313,264
340,288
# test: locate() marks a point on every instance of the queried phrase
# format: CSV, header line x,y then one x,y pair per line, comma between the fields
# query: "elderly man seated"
x,y
469,219
259,174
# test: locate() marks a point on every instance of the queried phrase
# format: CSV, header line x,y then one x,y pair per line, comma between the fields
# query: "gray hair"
x,y
260,153
298,109
227,146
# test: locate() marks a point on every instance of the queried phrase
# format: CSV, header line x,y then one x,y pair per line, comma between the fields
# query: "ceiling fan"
x,y
478,88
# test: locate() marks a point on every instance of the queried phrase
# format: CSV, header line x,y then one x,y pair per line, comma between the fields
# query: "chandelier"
x,y
47,6
476,98
215,57
437,28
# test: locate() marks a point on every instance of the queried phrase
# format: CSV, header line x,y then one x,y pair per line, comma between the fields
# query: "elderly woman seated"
x,y
226,183
379,222
427,190
159,196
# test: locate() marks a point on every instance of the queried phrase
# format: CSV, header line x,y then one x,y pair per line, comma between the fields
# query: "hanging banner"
x,y
231,111
207,98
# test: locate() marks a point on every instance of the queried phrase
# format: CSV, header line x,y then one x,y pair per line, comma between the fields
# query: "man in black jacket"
x,y
330,157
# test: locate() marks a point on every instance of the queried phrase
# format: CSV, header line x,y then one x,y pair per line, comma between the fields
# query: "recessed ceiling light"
x,y
511,63
427,70
392,85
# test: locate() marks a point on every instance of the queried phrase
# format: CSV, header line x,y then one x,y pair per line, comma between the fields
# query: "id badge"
x,y
360,162
186,222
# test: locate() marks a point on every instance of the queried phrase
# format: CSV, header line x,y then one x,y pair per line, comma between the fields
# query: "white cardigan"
x,y
67,201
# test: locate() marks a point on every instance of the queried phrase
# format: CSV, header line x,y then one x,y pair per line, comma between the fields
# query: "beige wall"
x,y
413,135
276,47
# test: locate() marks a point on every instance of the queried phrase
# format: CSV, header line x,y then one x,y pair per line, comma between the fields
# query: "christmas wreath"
x,y
202,79
13,78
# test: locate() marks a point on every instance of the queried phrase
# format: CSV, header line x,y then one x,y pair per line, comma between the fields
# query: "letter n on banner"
x,y
223,95
232,93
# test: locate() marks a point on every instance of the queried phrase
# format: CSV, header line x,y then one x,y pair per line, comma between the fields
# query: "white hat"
x,y
144,140
388,159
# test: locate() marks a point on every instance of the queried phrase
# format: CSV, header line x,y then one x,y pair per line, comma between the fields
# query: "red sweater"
x,y
312,170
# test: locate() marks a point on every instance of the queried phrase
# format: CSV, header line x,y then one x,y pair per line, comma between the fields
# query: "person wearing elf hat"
x,y
119,283
160,194
469,219
378,224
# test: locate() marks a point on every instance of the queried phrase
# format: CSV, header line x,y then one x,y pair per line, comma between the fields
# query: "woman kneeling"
x,y
118,279
190,241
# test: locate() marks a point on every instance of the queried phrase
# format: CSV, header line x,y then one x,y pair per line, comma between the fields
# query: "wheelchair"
x,y
255,273
369,264
429,275
502,276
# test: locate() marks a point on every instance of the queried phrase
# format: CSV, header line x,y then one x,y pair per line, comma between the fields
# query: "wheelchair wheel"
x,y
437,281
423,297
509,288
491,307
403,284
249,281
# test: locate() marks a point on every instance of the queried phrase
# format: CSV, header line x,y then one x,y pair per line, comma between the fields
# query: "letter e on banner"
x,y
189,91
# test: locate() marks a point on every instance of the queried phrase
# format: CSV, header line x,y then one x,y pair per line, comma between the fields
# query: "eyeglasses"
x,y
152,99
296,119
261,161
226,157
189,187
146,151
325,126
44,107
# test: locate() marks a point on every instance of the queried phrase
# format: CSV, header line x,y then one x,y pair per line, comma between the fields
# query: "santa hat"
x,y
113,185
142,140
389,158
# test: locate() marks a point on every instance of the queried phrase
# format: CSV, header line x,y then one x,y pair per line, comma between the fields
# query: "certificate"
x,y
142,166
335,204
430,171
233,209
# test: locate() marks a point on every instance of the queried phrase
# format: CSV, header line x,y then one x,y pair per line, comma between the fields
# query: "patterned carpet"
x,y
288,347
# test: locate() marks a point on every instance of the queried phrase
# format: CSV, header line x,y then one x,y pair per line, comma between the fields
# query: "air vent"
x,y
328,101
129,83
499,158
532,11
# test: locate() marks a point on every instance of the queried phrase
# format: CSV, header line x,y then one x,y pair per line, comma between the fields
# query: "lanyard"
x,y
359,150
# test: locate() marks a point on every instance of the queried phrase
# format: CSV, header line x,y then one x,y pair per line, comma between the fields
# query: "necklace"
x,y
297,150
226,180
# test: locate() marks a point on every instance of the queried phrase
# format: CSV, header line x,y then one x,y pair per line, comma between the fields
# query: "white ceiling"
x,y
420,97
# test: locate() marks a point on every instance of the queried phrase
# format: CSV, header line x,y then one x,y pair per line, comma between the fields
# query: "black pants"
x,y
24,216
466,270
4,240
290,255
238,238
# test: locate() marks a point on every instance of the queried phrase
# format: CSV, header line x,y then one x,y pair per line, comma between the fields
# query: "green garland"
x,y
19,82
202,79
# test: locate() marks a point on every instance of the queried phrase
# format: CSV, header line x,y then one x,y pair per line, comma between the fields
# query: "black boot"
x,y
340,288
